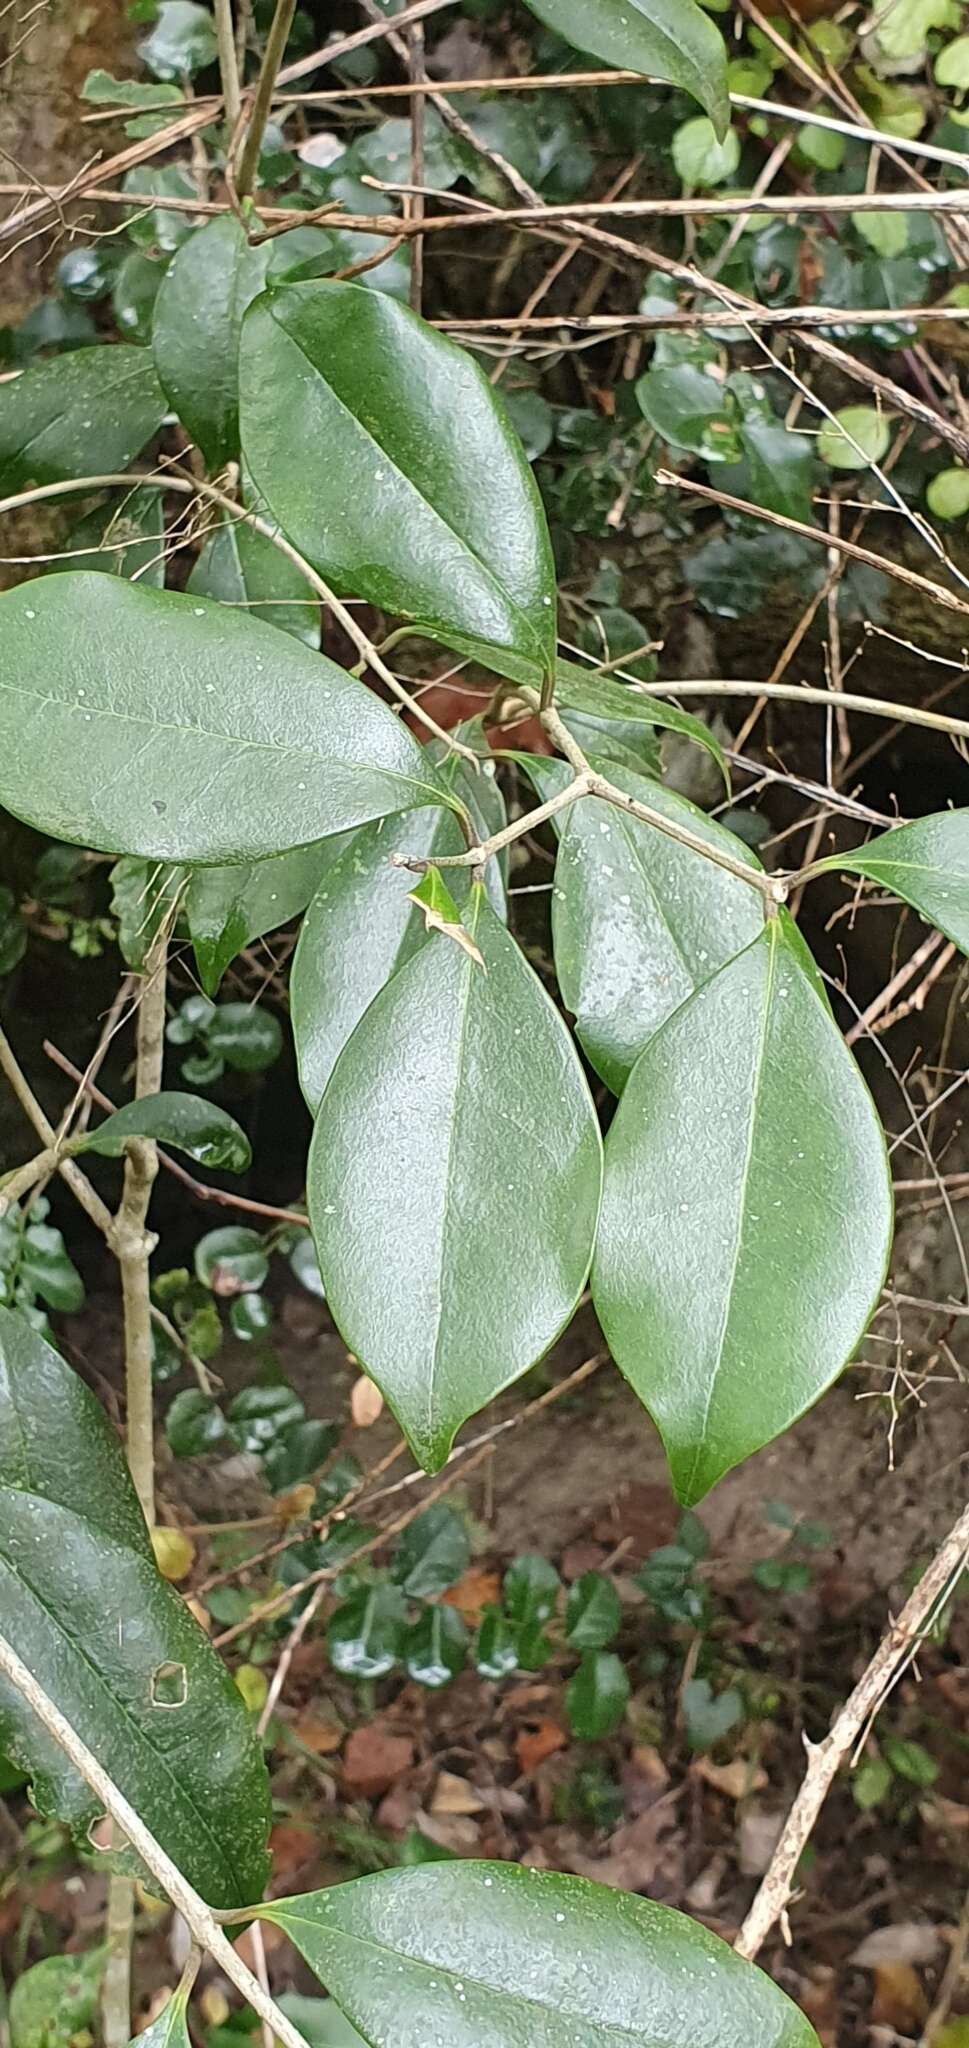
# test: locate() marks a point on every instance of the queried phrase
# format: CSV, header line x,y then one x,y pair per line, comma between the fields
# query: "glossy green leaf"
x,y
690,409
475,1953
592,1612
170,2029
181,40
226,908
453,1257
194,1425
85,1607
152,746
259,1414
496,1648
606,703
854,438
436,1647
638,920
747,1153
56,2000
394,470
432,1553
242,567
947,494
247,1036
700,157
531,1589
250,1316
209,283
46,1268
187,1122
668,39
79,415
136,287
366,1635
232,1260
779,468
597,1695
926,864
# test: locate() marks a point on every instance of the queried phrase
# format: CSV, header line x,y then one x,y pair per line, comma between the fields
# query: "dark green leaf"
x,y
242,567
181,42
691,410
638,920
592,1612
926,864
366,1634
125,538
432,1553
231,1261
496,1649
209,283
188,1122
909,1760
597,1696
136,288
452,1258
474,1953
89,413
709,1716
296,1450
607,703
257,1415
303,1263
780,468
246,1036
194,1424
668,39
397,474
250,1316
48,1269
157,227
746,1150
320,2021
56,2000
436,1647
85,1607
226,908
531,1590
124,676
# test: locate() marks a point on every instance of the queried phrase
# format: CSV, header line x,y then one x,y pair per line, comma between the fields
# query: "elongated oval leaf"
x,y
80,415
360,926
203,295
639,921
669,39
143,721
747,1213
241,567
475,1953
926,864
603,701
390,463
454,1181
188,1122
114,1645
226,908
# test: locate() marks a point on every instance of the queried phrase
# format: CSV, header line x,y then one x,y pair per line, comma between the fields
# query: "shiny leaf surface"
x,y
389,462
187,1122
453,1255
176,728
474,1953
746,1151
242,567
226,908
85,1607
209,283
926,864
668,39
80,415
609,703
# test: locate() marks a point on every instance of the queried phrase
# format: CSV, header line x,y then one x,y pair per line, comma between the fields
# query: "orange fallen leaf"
x,y
475,1590
533,1745
454,1795
899,2000
374,1759
319,1736
291,1846
295,1505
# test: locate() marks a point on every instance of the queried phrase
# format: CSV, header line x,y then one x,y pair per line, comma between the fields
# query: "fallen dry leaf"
x,y
366,1402
295,1505
174,1554
735,1780
631,1860
291,1846
533,1745
454,1831
757,1838
475,1590
273,1938
374,1759
319,1736
899,1999
455,1795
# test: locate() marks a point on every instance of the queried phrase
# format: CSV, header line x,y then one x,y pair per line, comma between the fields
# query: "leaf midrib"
x,y
160,726
700,1448
477,1983
538,655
